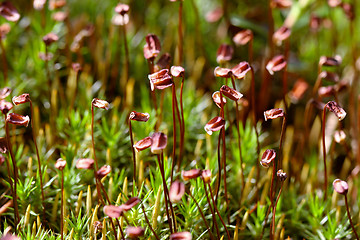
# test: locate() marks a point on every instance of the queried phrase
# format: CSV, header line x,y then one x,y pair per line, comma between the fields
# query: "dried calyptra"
x,y
206,175
281,34
122,8
103,171
191,174
5,106
100,103
113,211
267,157
240,70
176,191
181,236
85,163
152,47
243,37
9,12
23,98
276,64
4,92
177,71
336,109
132,202
159,142
160,79
143,144
222,72
60,164
214,124
330,61
217,100
138,116
17,119
281,175
273,113
134,232
50,38
340,186
224,53
231,93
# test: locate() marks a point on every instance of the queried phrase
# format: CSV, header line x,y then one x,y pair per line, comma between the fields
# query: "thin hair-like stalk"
x,y
202,215
166,192
211,209
324,151
174,129
274,210
217,211
62,206
15,169
182,122
147,221
133,152
349,216
239,137
38,158
96,166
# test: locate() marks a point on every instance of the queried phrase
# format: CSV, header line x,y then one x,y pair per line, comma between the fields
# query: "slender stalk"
x,y
171,207
121,230
239,137
8,165
349,216
127,58
202,215
217,211
38,158
152,93
148,223
5,67
180,33
62,206
133,152
96,167
253,106
224,166
174,130
324,151
211,209
16,210
109,202
182,124
274,210
219,166
165,192
282,134
272,190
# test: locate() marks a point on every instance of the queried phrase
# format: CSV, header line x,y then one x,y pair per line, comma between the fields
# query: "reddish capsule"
x,y
17,119
60,164
176,191
274,113
267,157
214,124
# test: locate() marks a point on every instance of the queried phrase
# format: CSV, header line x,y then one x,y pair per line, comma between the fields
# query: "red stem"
x,y
324,151
349,216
